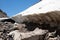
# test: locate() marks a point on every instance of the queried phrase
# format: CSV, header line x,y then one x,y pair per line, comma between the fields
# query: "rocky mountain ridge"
x,y
2,14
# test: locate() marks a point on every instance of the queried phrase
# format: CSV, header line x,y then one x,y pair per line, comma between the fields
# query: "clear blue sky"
x,y
12,7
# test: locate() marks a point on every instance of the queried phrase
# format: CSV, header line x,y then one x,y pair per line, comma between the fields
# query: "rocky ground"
x,y
8,26
4,26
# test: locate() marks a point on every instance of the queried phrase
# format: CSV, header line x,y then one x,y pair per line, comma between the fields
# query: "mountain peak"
x,y
0,10
2,14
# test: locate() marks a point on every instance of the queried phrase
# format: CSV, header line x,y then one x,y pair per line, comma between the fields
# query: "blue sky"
x,y
12,7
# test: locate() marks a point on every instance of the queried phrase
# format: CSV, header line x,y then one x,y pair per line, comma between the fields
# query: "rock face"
x,y
5,28
6,25
45,16
2,14
8,31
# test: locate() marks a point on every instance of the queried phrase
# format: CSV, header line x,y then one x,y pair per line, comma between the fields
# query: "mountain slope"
x,y
43,6
3,14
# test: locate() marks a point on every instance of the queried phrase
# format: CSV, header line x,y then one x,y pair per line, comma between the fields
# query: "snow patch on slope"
x,y
3,18
42,7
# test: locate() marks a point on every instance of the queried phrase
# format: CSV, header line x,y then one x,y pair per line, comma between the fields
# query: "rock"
x,y
5,28
2,14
